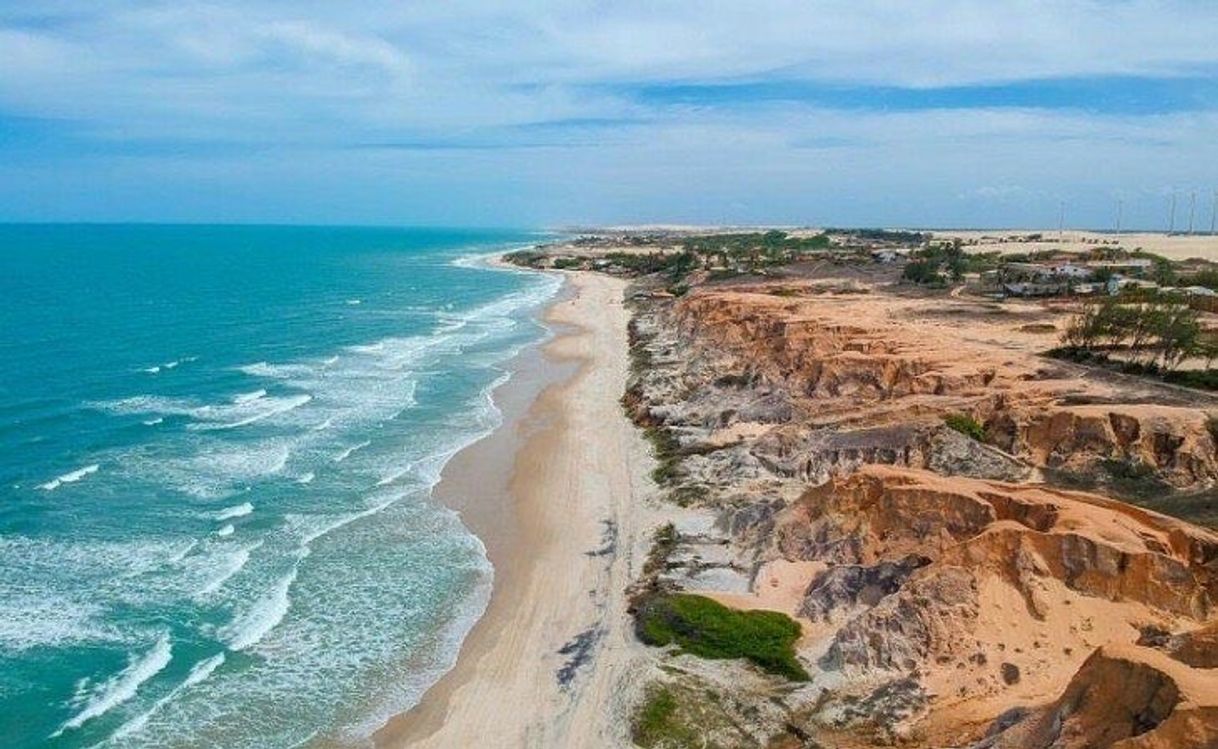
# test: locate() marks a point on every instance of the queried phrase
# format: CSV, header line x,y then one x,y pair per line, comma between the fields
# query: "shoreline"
x,y
553,636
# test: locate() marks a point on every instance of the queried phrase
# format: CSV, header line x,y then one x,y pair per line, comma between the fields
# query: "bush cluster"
x,y
708,629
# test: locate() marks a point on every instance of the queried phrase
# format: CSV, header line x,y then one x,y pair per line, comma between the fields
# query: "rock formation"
x,y
954,593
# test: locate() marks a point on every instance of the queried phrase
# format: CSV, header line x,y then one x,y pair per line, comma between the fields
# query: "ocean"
x,y
217,447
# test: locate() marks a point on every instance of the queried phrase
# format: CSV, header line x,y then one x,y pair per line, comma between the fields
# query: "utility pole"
x,y
1171,222
1214,212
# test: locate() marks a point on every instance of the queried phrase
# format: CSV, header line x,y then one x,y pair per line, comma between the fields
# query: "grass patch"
x,y
966,425
687,496
667,453
654,724
708,629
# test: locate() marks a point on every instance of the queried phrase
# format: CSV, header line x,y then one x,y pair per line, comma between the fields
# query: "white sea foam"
x,y
318,527
410,687
306,478
346,453
46,619
226,531
248,397
279,406
180,555
217,469
69,478
274,371
153,422
152,370
236,511
230,565
171,364
149,404
329,422
123,685
198,673
394,476
330,362
371,348
267,612
354,302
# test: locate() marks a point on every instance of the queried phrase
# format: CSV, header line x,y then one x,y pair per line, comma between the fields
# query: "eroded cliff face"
x,y
853,361
949,595
976,595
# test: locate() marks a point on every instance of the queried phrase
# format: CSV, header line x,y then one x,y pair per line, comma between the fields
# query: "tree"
x,y
1180,337
922,271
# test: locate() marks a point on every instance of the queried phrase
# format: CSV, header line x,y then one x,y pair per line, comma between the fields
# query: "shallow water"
x,y
217,446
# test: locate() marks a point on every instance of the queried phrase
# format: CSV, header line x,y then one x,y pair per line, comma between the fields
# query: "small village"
x,y
1103,304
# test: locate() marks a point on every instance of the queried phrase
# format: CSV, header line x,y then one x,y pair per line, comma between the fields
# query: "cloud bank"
x,y
953,112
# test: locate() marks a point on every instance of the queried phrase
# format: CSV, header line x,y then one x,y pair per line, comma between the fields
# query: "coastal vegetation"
x,y
681,714
754,251
706,628
1146,335
667,453
966,425
663,543
884,236
655,724
936,264
675,258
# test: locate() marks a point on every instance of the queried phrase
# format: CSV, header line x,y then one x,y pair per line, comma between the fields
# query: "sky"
x,y
965,113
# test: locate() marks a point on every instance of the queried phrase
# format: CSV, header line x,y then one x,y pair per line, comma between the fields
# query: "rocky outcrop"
x,y
1173,444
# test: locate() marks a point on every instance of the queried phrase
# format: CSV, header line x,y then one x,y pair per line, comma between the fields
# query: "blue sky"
x,y
947,113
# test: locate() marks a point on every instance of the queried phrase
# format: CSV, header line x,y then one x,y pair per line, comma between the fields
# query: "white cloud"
x,y
300,84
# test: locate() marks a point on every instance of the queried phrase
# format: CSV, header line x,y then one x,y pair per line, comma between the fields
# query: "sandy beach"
x,y
551,495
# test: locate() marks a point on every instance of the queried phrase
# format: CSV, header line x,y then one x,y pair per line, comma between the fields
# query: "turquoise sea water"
x,y
216,451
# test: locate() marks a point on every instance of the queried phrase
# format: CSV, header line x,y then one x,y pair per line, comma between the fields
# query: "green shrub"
x,y
568,263
653,723
667,453
966,425
708,629
923,272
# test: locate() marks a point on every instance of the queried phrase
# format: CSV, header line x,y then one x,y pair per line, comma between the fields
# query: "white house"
x,y
1070,270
